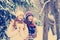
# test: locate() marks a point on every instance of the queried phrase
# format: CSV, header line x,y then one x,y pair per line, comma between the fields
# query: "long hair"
x,y
29,23
14,24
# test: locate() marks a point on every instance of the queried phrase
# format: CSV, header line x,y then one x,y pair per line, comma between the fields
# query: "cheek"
x,y
30,19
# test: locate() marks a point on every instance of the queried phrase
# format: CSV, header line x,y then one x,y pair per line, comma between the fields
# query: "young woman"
x,y
18,29
31,26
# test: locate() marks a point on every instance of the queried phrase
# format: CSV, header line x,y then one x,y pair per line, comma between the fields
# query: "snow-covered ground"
x,y
40,34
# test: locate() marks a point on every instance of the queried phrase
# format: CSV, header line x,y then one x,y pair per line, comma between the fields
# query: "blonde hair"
x,y
18,11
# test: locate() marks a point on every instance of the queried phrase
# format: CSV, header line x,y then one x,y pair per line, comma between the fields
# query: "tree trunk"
x,y
54,10
45,28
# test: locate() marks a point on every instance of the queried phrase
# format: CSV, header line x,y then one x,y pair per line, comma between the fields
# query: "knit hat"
x,y
29,14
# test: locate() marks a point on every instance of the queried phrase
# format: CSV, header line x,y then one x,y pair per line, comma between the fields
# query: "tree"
x,y
45,28
5,18
54,10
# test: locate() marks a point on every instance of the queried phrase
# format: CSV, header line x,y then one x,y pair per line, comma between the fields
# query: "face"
x,y
20,17
30,18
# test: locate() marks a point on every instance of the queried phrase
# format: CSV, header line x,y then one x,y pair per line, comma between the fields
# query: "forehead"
x,y
21,15
30,16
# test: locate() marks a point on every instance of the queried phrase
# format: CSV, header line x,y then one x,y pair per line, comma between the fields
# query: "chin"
x,y
30,20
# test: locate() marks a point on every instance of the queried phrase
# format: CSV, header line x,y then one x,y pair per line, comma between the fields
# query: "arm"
x,y
26,31
11,31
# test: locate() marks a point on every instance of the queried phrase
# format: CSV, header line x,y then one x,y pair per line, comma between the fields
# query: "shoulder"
x,y
25,24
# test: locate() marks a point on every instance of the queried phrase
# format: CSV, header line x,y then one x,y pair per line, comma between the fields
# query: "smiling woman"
x,y
18,29
31,26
